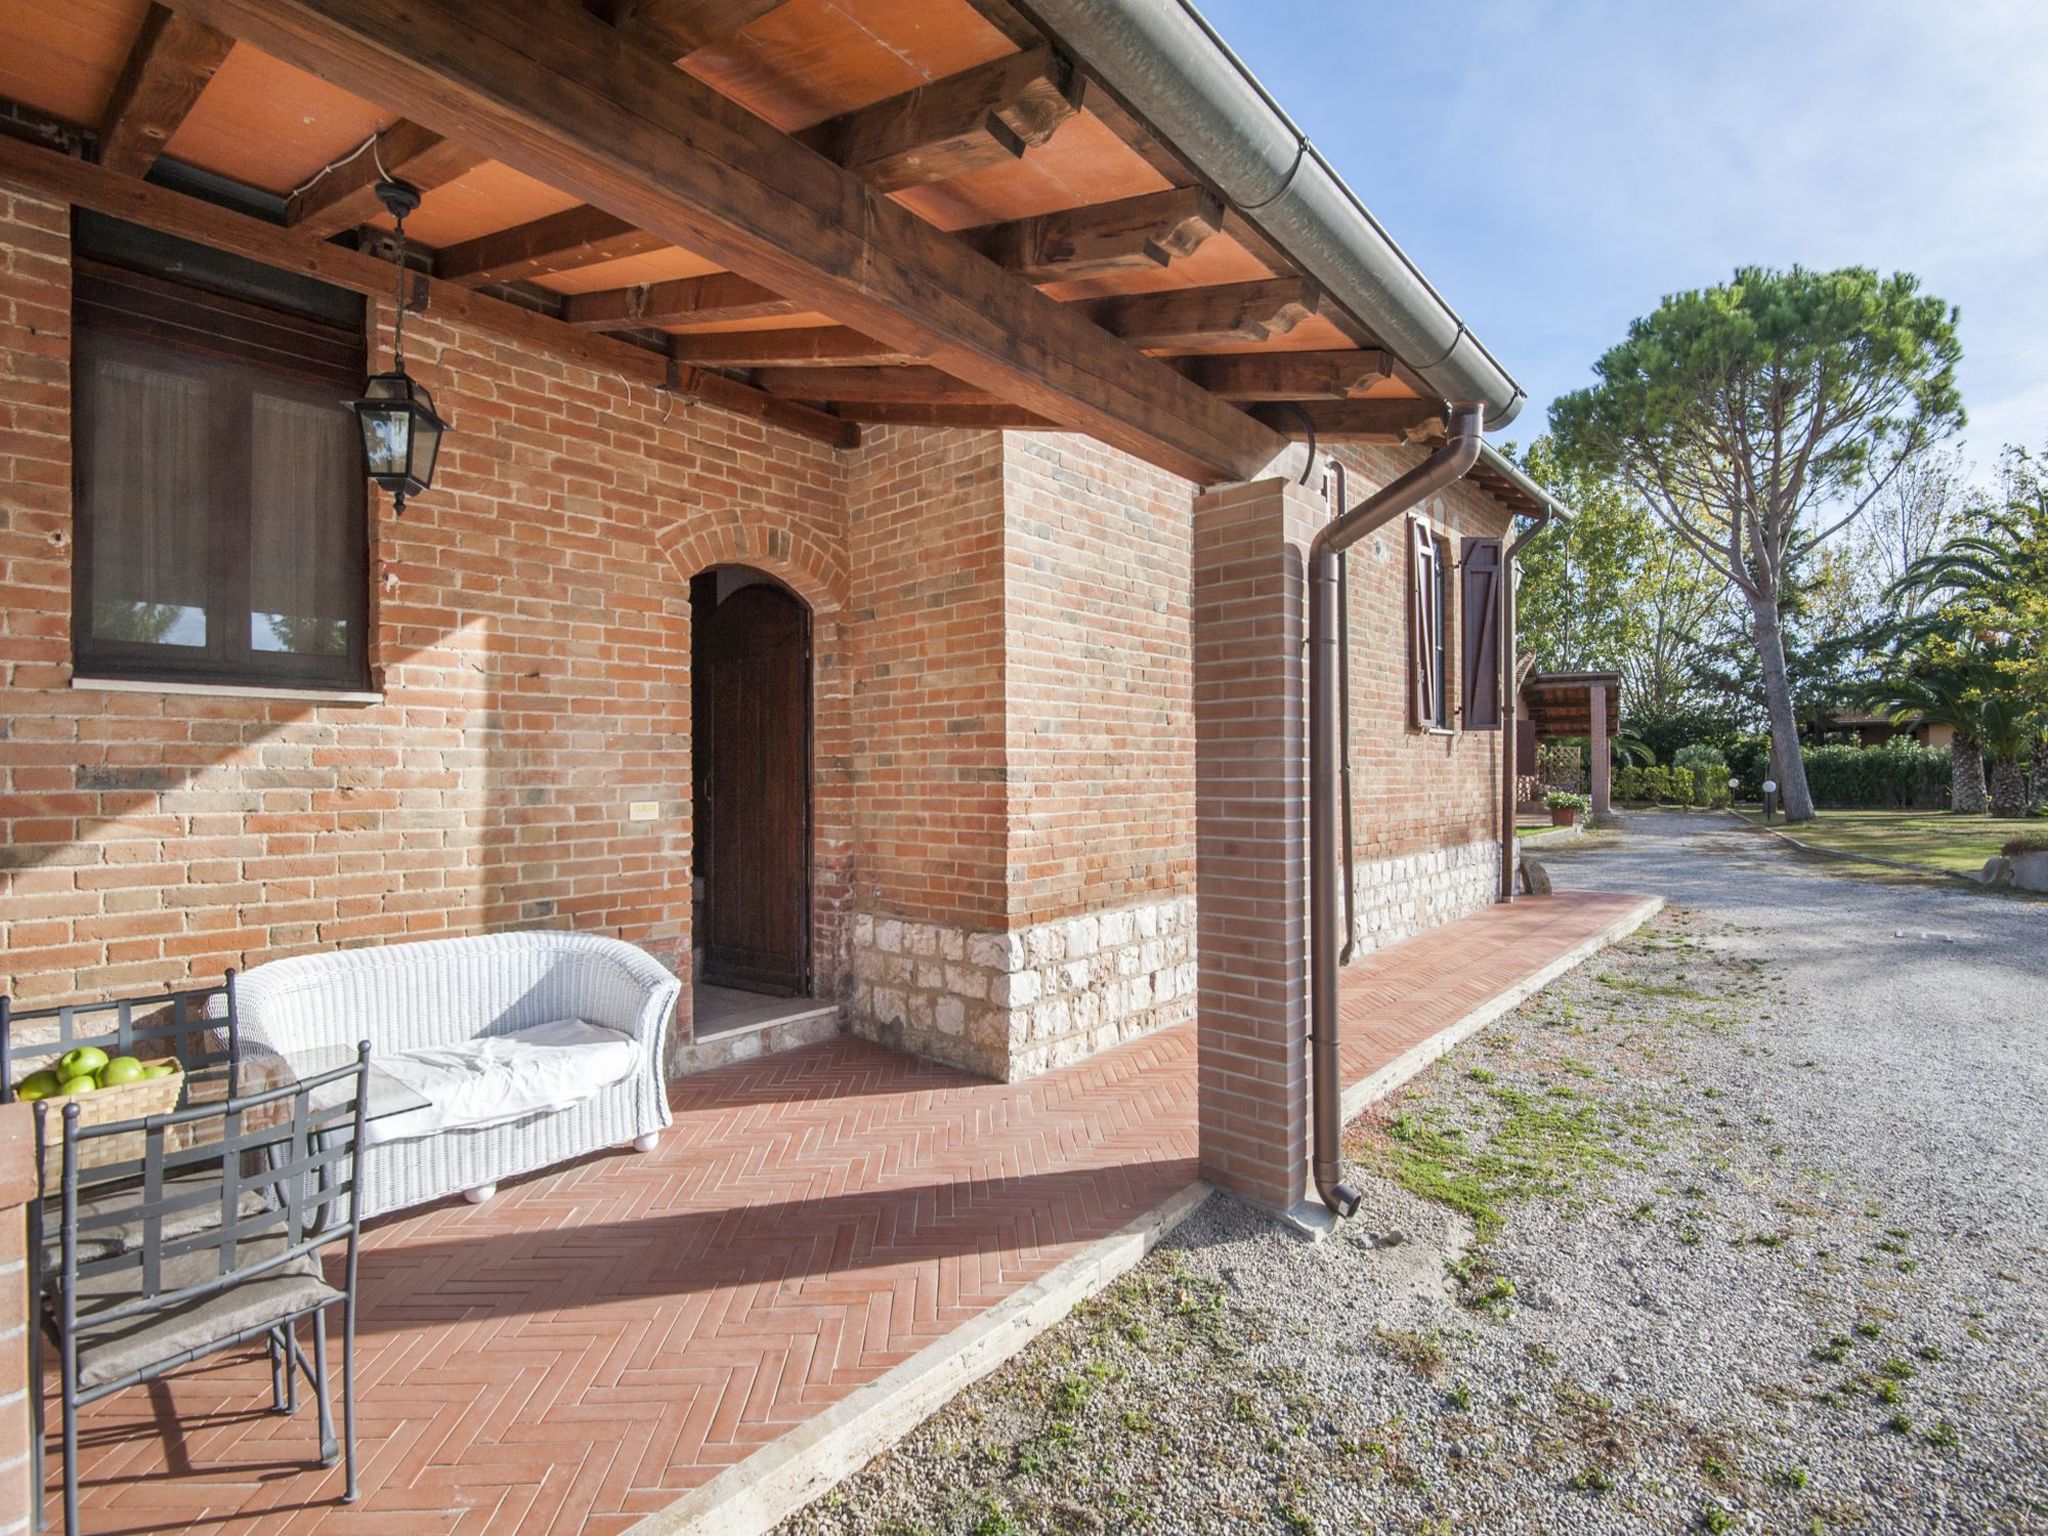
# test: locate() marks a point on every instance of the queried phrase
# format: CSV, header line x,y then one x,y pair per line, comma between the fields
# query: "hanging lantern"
x,y
401,430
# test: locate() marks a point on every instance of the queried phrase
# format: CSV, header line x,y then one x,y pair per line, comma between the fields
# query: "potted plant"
x,y
1566,808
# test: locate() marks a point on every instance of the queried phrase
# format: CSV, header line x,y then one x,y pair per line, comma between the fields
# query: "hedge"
x,y
1898,776
1670,786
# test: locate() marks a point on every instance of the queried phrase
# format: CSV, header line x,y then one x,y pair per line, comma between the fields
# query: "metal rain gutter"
x,y
1171,68
1552,514
1326,706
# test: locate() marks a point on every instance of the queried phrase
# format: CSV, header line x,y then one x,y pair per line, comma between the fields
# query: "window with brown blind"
x,y
222,521
1429,605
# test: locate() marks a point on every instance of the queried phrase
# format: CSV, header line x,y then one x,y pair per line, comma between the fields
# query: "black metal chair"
x,y
211,1238
197,1025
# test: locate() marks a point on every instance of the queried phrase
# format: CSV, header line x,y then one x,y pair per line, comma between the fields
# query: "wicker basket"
x,y
103,1106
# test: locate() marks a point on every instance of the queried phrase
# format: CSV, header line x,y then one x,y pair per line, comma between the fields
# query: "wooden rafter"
x,y
1373,421
123,197
902,414
1131,234
891,386
678,28
552,91
680,301
1184,318
966,122
819,345
1288,375
346,196
169,65
575,237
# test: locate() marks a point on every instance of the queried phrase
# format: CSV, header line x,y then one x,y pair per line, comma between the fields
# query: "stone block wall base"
x,y
1400,897
1011,1005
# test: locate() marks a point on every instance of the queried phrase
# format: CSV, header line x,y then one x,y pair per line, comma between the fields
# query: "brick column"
x,y
1251,876
17,1188
1603,774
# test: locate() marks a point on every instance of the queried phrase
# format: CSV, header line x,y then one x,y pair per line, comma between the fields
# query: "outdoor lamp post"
x,y
1770,797
401,430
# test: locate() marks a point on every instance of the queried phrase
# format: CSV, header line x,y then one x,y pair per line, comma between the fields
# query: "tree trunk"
x,y
2008,786
2037,777
1788,766
1966,793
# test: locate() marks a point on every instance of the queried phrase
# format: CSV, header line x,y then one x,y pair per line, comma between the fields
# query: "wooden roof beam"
x,y
891,386
678,28
1131,234
716,296
1288,375
89,186
1369,421
981,417
966,122
347,195
818,345
170,64
1187,318
560,242
546,88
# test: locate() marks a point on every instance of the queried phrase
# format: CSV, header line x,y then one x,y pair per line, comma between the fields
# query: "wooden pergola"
x,y
820,215
1558,705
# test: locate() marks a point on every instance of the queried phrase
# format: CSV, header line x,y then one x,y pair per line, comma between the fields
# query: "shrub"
x,y
1681,785
1657,784
1901,775
2026,842
1562,800
1709,773
1628,784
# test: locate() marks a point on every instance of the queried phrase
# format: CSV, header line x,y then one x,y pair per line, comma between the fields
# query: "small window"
x,y
221,509
1429,604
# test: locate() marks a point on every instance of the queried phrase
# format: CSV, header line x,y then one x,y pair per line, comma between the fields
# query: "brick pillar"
x,y
1603,774
1251,875
17,1188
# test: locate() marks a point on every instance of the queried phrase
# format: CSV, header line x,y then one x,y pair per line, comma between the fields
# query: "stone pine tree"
x,y
1758,419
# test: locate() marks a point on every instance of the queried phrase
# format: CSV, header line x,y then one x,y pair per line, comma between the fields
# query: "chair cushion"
x,y
493,1079
109,1352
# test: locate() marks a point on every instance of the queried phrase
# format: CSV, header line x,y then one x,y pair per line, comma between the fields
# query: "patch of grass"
x,y
1870,1330
1943,1435
1937,839
1422,1353
1715,1518
1591,1479
1459,1397
1834,1351
1791,1478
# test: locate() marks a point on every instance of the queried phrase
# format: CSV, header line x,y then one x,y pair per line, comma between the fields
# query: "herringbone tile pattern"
x,y
595,1341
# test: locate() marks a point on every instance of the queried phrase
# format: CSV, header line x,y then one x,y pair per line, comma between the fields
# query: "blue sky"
x,y
1557,167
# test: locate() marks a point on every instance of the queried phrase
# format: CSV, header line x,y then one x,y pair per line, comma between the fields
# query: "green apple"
x,y
37,1085
122,1069
83,1062
159,1069
77,1085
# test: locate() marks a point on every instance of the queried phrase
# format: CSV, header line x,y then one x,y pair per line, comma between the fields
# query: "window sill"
x,y
354,699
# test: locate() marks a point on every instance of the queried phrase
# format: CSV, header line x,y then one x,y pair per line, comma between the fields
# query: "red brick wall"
x,y
1410,791
1101,731
531,642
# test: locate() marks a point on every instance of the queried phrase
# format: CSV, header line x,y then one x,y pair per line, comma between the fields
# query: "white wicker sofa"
x,y
565,1000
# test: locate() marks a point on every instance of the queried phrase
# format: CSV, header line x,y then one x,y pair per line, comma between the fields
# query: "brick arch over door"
x,y
817,574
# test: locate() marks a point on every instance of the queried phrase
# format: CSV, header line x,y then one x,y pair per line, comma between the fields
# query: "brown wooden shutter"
x,y
1479,638
1525,746
1421,626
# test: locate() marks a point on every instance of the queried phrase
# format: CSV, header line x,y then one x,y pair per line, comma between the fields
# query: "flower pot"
x,y
1563,816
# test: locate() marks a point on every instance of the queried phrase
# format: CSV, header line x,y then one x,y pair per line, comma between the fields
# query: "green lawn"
x,y
1937,839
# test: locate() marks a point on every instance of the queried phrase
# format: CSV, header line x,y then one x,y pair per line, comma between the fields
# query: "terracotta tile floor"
x,y
595,1341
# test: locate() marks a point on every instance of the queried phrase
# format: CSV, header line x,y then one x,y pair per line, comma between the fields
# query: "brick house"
x,y
874,581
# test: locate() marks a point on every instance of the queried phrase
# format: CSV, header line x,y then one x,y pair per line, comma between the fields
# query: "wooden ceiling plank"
x,y
1185,318
1287,375
347,195
966,122
818,345
89,186
892,386
559,242
170,64
1371,421
678,28
1140,233
716,296
547,89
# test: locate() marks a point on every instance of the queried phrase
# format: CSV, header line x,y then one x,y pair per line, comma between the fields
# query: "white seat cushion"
x,y
496,1078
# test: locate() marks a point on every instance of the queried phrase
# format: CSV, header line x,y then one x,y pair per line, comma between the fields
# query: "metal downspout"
x,y
1326,708
1340,496
1509,753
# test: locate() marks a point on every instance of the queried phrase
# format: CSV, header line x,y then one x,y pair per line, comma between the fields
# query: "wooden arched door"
x,y
752,751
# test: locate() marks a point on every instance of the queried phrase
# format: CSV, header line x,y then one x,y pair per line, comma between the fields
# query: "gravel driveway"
x,y
1739,1227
